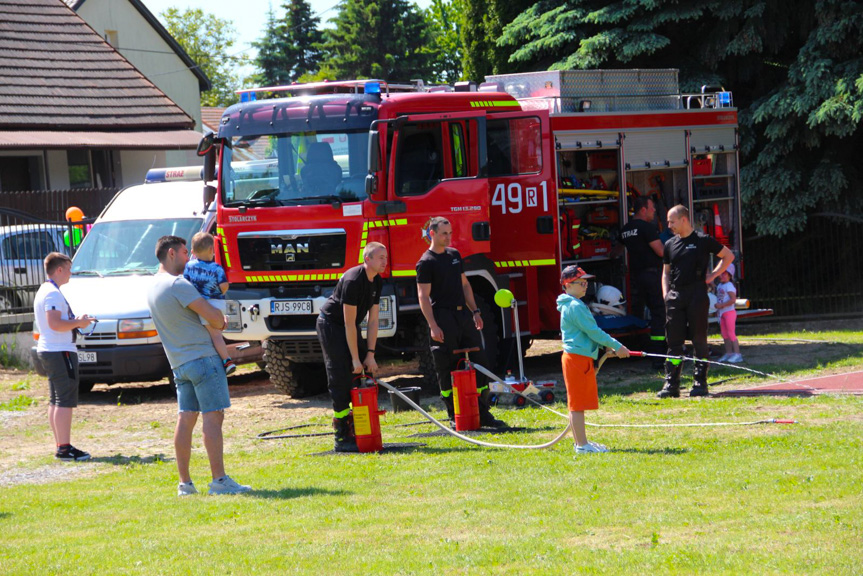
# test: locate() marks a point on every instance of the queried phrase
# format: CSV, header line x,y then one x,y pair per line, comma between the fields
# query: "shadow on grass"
x,y
5,515
290,493
120,460
665,451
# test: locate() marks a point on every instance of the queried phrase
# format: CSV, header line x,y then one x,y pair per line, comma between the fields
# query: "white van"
x,y
113,268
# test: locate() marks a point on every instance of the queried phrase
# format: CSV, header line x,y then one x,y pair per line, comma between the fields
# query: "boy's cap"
x,y
573,272
731,270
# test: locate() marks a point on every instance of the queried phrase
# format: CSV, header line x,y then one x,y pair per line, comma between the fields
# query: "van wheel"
x,y
7,301
294,379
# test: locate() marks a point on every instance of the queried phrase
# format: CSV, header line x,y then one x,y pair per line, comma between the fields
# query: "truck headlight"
x,y
234,316
136,328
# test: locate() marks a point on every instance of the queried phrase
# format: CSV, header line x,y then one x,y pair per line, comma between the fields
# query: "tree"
x,y
386,39
484,21
289,47
271,61
208,41
444,19
794,67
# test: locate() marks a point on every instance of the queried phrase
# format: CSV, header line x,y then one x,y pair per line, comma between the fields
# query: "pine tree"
x,y
271,61
288,49
794,67
303,38
386,39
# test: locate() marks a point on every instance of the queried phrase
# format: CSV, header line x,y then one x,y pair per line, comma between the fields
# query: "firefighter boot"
x,y
700,377
486,419
450,410
671,389
344,432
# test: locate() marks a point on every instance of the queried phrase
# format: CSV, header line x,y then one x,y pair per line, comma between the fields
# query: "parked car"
x,y
23,247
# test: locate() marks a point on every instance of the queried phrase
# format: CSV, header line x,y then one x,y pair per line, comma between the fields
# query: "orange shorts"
x,y
580,378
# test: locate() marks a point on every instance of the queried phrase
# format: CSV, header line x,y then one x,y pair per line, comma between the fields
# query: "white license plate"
x,y
86,357
291,307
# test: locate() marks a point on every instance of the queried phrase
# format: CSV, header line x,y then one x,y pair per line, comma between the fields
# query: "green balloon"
x,y
503,298
77,236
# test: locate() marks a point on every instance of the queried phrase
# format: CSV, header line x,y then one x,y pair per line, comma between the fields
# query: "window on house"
x,y
111,38
79,168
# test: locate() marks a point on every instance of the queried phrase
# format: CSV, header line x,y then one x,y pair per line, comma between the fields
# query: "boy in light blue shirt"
x,y
581,341
211,282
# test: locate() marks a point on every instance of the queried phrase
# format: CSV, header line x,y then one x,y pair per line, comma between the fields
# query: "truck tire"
x,y
426,360
424,357
297,380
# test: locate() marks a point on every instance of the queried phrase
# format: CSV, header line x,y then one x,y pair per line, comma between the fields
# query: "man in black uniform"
x,y
641,238
357,294
684,287
447,302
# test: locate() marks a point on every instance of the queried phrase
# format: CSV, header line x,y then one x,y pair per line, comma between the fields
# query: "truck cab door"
x,y
522,187
435,170
524,212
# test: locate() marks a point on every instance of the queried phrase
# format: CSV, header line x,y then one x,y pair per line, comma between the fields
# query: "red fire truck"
x,y
534,171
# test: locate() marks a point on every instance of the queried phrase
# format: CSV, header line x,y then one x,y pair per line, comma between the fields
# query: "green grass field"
x,y
763,499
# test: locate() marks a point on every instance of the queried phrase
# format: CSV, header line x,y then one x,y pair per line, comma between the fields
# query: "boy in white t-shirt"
x,y
726,297
57,328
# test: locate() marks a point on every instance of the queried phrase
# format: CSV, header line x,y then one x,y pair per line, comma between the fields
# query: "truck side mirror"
x,y
374,151
209,195
209,172
206,143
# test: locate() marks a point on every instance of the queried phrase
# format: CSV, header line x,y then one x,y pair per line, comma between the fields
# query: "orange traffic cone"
x,y
718,232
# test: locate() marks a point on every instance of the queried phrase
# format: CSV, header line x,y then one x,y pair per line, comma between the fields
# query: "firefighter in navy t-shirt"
x,y
641,238
684,287
447,302
338,326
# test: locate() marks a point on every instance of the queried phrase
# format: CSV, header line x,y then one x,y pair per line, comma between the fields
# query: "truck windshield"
x,y
129,246
295,169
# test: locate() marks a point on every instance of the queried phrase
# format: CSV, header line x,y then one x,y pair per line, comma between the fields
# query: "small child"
x,y
726,298
211,281
581,341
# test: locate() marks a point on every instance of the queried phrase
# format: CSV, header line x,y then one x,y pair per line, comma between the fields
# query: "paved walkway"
x,y
850,383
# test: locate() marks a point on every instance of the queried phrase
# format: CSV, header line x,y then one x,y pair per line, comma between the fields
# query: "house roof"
x,y
57,73
203,80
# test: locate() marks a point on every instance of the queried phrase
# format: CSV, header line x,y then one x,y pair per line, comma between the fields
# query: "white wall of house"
x,y
132,36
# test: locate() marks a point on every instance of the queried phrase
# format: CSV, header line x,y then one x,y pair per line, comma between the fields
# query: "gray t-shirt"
x,y
183,336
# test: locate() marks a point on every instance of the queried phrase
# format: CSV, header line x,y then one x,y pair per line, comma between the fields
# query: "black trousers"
x,y
337,361
647,291
459,332
686,313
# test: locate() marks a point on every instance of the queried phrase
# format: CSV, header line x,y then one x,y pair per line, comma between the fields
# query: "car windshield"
x,y
128,247
292,169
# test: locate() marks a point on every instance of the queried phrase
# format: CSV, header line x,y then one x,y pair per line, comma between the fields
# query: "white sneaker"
x,y
725,357
226,485
736,358
590,448
186,489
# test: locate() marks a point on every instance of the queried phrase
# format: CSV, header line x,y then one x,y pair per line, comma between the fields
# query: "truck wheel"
x,y
292,378
489,331
425,358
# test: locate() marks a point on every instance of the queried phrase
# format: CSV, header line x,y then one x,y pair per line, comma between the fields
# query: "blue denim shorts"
x,y
202,385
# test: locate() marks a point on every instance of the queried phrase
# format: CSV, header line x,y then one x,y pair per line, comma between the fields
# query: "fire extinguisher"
x,y
367,425
465,397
